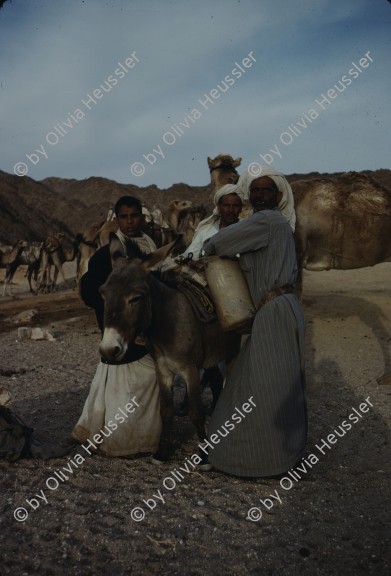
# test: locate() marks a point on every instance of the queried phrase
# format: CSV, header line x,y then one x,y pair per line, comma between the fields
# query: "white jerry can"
x,y
234,306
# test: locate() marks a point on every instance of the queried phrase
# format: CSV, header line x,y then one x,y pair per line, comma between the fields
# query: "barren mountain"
x,y
30,209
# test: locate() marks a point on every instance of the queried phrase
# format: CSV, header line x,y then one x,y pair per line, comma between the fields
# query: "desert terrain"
x,y
332,519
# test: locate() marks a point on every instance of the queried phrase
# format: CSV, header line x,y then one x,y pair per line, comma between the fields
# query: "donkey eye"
x,y
133,300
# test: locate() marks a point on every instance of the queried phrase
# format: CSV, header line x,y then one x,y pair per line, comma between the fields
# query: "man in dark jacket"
x,y
128,212
123,406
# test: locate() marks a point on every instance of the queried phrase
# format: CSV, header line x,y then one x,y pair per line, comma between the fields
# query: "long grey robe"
x,y
270,367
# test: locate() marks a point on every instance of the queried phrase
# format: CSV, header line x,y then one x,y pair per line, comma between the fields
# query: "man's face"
x,y
230,206
129,221
264,194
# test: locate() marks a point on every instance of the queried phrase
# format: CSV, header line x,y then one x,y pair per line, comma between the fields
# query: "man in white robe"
x,y
228,202
123,405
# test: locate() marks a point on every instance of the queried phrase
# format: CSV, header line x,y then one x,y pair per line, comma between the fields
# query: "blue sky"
x,y
158,59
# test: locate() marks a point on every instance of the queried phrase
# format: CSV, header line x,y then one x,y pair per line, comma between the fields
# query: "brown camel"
x,y
28,257
223,170
342,223
177,210
8,255
183,218
7,259
33,271
158,218
88,244
105,230
188,224
54,253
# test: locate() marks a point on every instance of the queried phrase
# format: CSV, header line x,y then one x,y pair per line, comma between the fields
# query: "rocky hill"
x,y
30,209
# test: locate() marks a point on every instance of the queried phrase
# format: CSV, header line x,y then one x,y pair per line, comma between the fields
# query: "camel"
x,y
54,253
94,237
341,223
28,257
158,218
88,244
33,272
188,222
146,214
183,218
7,259
5,247
8,255
105,230
223,170
177,210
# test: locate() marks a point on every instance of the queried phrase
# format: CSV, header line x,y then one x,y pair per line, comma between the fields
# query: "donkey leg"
x,y
196,412
197,415
165,381
215,379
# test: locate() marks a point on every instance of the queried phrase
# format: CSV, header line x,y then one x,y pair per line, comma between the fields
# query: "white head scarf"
x,y
223,191
144,242
286,205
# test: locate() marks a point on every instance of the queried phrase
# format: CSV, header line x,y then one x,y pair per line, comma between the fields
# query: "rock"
x,y
42,334
5,396
37,334
49,336
24,333
24,316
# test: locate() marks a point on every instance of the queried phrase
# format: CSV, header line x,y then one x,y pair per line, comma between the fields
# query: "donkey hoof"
x,y
159,458
157,462
204,465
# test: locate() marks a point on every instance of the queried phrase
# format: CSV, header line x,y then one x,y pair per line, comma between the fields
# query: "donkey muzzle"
x,y
112,347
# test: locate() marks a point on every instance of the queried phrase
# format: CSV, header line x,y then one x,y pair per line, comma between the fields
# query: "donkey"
x,y
139,303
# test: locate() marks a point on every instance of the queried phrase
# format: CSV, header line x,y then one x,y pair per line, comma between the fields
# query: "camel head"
x,y
177,211
180,206
223,170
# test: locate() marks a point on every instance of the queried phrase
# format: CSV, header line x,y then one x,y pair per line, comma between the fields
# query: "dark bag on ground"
x,y
17,440
14,436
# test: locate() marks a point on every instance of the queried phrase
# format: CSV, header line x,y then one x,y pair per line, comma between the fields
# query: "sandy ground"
x,y
333,519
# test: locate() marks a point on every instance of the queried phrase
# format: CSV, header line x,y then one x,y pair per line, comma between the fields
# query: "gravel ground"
x,y
332,517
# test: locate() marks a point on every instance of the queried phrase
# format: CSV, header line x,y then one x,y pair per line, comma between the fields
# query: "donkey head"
x,y
126,297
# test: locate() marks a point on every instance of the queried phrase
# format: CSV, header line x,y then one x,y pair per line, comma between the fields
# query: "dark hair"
x,y
128,201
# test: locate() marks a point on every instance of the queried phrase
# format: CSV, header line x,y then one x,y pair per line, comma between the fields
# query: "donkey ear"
x,y
159,255
116,250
